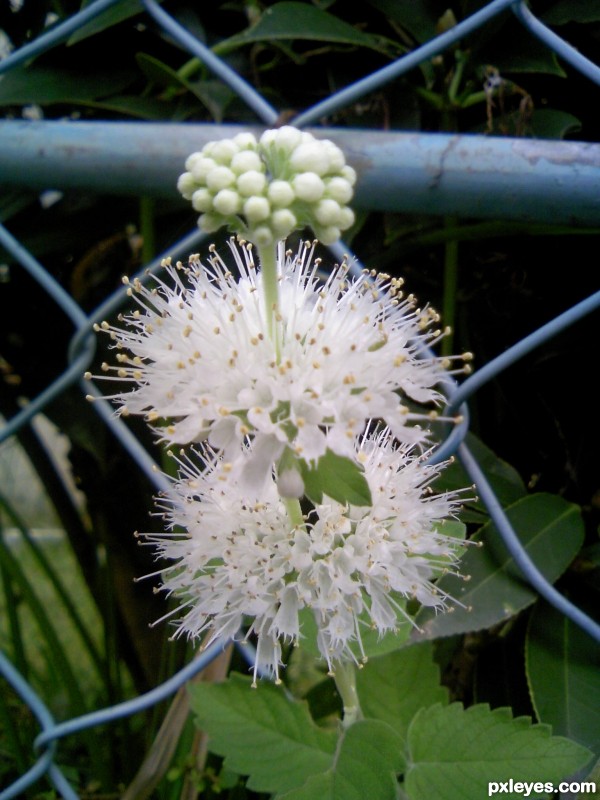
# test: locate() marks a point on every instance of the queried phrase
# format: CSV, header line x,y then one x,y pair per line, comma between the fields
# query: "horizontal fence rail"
x,y
472,176
467,176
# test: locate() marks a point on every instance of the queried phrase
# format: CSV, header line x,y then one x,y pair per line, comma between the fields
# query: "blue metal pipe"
x,y
465,175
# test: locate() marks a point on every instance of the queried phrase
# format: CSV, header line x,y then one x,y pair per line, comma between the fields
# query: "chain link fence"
x,y
480,176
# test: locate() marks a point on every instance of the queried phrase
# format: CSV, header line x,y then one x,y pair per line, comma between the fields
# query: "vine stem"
x,y
345,681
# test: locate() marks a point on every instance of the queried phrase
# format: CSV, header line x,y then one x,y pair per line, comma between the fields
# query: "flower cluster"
x,y
266,189
277,379
202,362
241,556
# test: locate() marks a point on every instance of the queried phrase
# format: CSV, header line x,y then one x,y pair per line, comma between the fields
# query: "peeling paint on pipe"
x,y
531,180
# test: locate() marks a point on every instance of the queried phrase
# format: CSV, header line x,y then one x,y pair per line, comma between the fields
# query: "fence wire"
x,y
82,346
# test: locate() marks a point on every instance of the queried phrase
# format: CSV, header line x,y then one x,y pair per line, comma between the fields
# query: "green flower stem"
x,y
345,681
268,262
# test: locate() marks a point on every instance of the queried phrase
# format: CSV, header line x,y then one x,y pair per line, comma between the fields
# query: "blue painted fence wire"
x,y
82,346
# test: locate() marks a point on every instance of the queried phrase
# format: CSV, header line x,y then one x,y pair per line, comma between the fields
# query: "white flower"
x,y
286,168
239,559
203,365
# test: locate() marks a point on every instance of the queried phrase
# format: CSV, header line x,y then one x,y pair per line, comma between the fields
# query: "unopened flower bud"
x,y
290,484
202,200
335,156
223,151
283,222
346,218
186,185
338,189
227,202
220,178
327,212
246,160
280,193
262,236
268,138
251,182
349,174
328,235
201,167
245,141
209,223
256,209
287,138
310,157
308,186
192,160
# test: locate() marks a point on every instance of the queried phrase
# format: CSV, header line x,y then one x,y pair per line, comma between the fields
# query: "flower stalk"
x,y
267,256
345,682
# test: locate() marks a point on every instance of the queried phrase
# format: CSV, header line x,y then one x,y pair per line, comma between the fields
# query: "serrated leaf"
x,y
293,20
262,733
392,688
338,477
562,663
454,753
550,529
365,764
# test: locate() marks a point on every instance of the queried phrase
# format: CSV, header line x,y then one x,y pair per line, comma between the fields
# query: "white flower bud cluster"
x,y
265,189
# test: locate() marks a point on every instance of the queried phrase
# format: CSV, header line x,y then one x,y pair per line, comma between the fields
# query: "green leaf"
x,y
504,479
48,85
550,529
107,18
526,54
134,105
453,754
159,72
420,19
213,95
292,20
562,669
262,733
368,756
551,123
392,688
338,477
572,11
